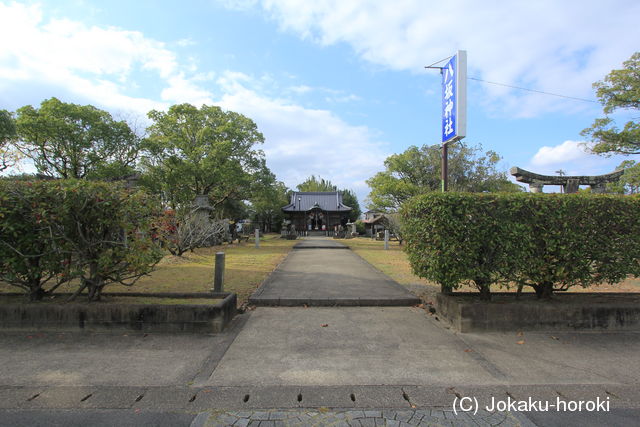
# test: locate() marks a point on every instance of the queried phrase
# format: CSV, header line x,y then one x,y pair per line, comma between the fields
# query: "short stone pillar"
x,y
536,187
571,186
218,277
257,238
386,240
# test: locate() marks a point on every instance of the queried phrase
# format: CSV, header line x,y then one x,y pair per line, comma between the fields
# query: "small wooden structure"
x,y
570,184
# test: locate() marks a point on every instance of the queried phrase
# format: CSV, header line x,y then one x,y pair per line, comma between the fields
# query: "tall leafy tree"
x,y
629,182
349,198
316,184
8,154
76,141
417,171
193,151
268,198
620,90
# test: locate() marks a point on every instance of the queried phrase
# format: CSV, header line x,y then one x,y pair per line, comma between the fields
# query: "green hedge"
x,y
547,241
55,232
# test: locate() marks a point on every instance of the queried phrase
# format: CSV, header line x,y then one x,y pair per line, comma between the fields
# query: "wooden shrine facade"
x,y
317,211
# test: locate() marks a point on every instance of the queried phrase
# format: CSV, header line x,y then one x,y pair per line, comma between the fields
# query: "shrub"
x,y
56,231
32,256
455,238
547,241
184,230
108,230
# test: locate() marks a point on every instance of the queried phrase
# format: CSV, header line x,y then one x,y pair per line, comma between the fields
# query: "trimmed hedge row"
x,y
55,232
550,242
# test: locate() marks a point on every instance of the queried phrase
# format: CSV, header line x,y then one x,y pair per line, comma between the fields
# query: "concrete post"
x,y
386,240
218,278
257,238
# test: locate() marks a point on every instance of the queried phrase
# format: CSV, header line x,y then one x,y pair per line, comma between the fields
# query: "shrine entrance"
x,y
316,219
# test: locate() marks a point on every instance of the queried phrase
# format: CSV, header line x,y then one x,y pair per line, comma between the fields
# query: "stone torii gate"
x,y
570,184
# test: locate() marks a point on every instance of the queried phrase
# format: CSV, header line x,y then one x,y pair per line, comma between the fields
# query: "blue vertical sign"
x,y
454,98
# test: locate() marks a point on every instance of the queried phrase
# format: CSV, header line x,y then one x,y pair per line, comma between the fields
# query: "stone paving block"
x,y
328,397
484,395
379,397
168,398
112,397
242,422
14,397
430,397
544,393
225,398
624,396
274,397
404,415
354,414
239,398
59,398
587,392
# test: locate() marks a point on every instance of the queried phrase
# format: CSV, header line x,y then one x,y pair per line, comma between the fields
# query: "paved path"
x,y
321,271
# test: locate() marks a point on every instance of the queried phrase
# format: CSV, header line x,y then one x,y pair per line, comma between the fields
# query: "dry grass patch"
x,y
395,264
245,269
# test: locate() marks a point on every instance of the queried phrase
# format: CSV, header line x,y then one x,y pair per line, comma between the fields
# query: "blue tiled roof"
x,y
305,201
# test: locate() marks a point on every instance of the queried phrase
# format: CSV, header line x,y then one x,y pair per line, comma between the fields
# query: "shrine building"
x,y
317,211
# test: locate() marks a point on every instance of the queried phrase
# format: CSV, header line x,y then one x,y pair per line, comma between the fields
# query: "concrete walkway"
x,y
321,271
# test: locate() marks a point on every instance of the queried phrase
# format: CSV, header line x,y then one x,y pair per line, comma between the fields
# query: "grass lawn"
x,y
245,269
394,263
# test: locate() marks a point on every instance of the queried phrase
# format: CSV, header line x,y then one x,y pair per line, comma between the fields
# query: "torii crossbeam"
x,y
570,184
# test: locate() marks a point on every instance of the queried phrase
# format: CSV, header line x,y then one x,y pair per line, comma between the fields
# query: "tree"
x,y
417,171
108,231
620,90
8,154
187,229
629,182
95,233
32,257
268,198
393,222
317,184
195,151
349,198
75,141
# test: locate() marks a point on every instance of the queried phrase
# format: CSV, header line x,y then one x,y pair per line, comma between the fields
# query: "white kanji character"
x,y
448,127
448,108
448,90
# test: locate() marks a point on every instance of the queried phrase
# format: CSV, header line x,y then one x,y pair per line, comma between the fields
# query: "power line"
x,y
533,90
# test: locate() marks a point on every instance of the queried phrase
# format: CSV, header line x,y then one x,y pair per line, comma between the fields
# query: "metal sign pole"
x,y
445,167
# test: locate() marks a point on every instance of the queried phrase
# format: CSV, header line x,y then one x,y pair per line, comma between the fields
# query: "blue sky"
x,y
335,86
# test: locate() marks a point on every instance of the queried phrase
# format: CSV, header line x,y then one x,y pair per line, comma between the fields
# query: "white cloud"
x,y
560,47
100,64
568,151
90,62
573,159
301,141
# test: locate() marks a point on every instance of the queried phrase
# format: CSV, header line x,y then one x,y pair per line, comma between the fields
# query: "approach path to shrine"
x,y
321,271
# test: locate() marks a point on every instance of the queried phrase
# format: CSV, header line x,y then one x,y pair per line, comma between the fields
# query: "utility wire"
x,y
532,90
